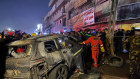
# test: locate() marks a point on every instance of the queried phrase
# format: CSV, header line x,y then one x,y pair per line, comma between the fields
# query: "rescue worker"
x,y
88,34
95,42
134,54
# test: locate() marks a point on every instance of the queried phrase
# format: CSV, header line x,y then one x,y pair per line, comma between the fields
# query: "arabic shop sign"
x,y
84,19
88,16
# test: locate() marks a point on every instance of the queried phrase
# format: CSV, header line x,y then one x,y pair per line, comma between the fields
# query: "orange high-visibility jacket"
x,y
94,41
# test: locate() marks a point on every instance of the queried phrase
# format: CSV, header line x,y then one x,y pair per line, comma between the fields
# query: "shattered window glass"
x,y
50,46
62,42
19,51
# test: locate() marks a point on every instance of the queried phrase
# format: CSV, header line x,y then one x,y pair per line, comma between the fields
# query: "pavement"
x,y
86,76
105,72
112,77
95,76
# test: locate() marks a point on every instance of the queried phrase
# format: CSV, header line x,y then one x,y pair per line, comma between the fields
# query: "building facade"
x,y
93,14
55,19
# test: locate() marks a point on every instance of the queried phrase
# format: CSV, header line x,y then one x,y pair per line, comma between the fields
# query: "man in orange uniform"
x,y
95,42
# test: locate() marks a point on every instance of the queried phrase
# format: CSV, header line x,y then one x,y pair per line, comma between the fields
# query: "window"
x,y
64,22
61,42
20,51
50,46
60,21
63,9
69,17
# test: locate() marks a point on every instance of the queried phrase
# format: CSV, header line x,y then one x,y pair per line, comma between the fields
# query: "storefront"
x,y
129,16
83,19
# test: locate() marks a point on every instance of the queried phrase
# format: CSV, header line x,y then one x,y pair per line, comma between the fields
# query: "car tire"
x,y
115,61
59,72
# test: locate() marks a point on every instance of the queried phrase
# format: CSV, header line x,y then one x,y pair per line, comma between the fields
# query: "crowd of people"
x,y
83,37
120,36
5,38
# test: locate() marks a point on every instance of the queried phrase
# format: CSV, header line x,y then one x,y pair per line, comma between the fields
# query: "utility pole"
x,y
112,21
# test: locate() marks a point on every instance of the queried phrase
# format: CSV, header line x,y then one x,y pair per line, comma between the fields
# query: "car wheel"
x,y
115,61
59,72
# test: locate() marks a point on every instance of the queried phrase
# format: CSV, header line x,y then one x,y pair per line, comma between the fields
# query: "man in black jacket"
x,y
3,52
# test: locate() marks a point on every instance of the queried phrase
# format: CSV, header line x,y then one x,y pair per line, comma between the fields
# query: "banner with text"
x,y
83,19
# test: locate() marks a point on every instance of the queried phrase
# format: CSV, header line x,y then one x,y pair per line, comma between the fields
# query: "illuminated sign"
x,y
83,19
88,16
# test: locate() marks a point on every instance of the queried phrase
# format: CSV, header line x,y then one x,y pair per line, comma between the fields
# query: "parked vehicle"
x,y
42,57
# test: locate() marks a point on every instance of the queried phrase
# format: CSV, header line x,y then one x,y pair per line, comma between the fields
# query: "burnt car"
x,y
42,57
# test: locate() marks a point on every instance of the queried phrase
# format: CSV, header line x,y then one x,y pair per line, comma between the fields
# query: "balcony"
x,y
70,5
52,2
58,4
59,15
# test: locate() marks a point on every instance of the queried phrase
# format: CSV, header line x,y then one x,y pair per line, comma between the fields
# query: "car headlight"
x,y
16,72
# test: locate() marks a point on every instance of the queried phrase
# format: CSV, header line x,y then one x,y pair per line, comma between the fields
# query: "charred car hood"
x,y
17,63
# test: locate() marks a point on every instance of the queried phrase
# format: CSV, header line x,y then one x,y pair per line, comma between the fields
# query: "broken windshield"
x,y
19,51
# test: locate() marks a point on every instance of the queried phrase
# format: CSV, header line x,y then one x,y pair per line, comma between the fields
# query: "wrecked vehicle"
x,y
41,57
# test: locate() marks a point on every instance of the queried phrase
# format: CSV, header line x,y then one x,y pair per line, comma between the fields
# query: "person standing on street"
x,y
134,54
95,43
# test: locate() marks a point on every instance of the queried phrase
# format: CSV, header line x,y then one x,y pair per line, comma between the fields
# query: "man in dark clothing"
x,y
119,43
134,54
2,57
103,37
3,51
132,31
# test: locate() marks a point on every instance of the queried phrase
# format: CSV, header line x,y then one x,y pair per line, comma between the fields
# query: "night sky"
x,y
22,14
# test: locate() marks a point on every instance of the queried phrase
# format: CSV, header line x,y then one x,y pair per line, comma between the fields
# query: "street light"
x,y
9,29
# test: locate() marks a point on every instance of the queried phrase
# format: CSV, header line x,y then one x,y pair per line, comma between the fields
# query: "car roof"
x,y
33,39
20,43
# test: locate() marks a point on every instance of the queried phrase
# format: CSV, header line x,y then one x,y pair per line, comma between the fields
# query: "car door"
x,y
52,50
65,51
77,51
49,51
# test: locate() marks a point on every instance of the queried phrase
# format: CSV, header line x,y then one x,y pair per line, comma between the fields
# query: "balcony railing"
x,y
51,2
57,6
59,15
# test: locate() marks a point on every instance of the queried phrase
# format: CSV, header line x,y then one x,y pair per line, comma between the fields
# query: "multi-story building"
x,y
94,14
83,14
55,19
80,13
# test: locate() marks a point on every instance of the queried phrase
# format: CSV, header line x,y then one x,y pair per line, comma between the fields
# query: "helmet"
x,y
33,34
93,32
